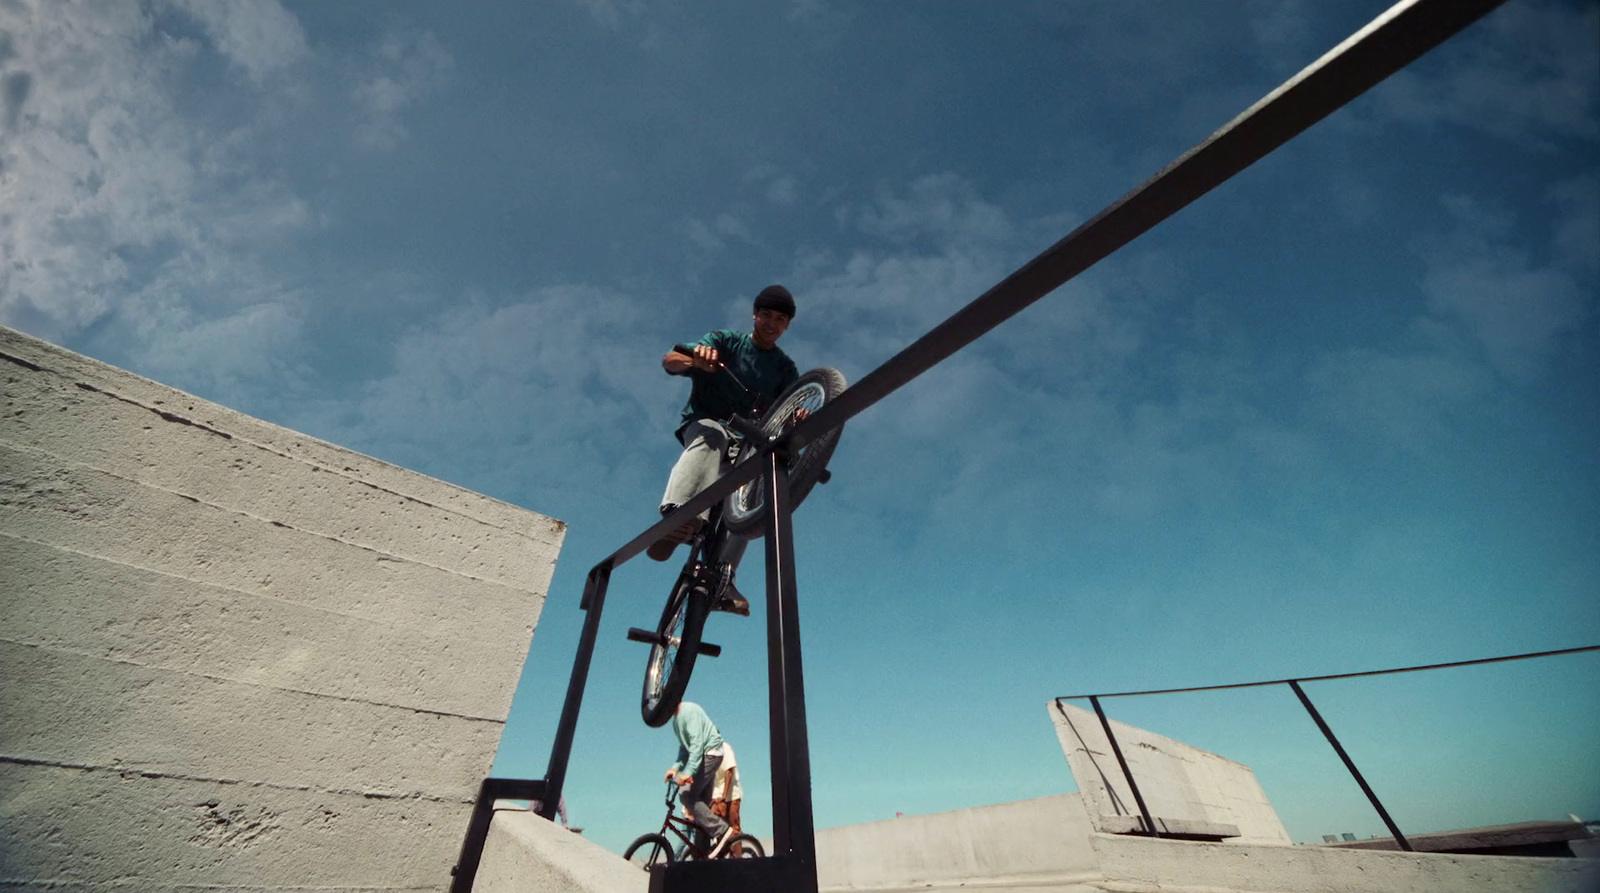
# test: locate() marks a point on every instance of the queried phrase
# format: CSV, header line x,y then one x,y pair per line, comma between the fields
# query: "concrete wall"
x,y
233,655
1044,841
1185,788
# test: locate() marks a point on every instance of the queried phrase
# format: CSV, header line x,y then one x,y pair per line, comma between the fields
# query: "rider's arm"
x,y
706,358
676,363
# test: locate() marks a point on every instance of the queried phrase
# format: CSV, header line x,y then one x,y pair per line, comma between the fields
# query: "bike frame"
x,y
677,824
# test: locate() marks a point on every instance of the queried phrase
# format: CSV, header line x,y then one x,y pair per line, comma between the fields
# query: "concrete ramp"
x,y
1189,792
529,854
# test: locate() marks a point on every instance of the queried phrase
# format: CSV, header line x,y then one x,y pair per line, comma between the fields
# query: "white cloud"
x,y
1577,224
611,13
403,69
1407,399
119,204
941,208
1517,308
262,38
565,380
1529,72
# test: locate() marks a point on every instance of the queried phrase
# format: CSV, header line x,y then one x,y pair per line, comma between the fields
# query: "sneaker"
x,y
662,549
733,602
719,843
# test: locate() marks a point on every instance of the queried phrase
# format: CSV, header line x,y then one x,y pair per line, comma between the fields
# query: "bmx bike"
x,y
654,849
706,579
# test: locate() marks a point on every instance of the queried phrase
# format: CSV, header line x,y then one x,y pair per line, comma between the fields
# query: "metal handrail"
x,y
1455,663
1390,42
1316,717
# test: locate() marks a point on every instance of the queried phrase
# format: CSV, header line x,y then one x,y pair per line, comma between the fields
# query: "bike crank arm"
x,y
649,637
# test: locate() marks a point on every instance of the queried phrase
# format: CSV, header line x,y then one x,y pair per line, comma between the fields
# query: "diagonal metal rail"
x,y
1390,42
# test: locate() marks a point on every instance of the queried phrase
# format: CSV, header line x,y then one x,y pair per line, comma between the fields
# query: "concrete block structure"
x,y
234,656
1188,791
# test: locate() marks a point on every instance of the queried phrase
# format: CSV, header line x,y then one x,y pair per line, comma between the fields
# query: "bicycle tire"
x,y
744,512
744,846
652,850
671,660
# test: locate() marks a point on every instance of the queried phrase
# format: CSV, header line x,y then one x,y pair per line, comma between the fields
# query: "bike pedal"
x,y
649,637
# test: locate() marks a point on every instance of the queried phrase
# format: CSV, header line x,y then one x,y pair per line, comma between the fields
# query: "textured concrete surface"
x,y
235,656
1187,790
1043,841
1178,866
1046,845
527,854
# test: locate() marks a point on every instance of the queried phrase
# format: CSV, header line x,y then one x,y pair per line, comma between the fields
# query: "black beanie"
x,y
776,297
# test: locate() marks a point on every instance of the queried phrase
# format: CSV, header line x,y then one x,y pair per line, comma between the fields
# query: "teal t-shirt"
x,y
715,396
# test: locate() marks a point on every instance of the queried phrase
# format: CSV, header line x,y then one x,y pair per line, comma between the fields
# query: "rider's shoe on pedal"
x,y
663,548
733,602
719,843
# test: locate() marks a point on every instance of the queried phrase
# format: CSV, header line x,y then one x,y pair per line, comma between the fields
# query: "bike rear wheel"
x,y
745,510
671,661
649,851
744,846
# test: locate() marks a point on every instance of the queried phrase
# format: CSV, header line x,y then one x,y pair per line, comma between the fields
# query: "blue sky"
x,y
1338,415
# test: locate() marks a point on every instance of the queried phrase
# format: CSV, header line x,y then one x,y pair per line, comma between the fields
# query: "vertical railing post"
x,y
1144,812
555,776
1349,764
792,823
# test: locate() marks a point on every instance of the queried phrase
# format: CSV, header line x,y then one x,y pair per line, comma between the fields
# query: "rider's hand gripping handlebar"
x,y
757,402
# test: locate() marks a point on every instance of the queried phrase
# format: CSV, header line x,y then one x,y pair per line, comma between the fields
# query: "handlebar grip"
x,y
685,349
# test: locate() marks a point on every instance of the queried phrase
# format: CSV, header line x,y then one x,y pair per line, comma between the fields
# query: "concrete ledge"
x,y
1142,864
527,854
1188,830
1517,839
1031,844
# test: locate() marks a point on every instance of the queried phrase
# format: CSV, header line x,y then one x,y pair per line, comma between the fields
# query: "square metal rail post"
x,y
1144,811
793,830
1350,764
548,789
492,789
594,601
792,866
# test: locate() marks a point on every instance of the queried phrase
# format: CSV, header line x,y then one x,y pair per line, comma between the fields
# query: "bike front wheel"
x,y
666,674
745,510
649,851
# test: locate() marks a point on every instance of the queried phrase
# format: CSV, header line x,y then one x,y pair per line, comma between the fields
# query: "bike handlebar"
x,y
757,401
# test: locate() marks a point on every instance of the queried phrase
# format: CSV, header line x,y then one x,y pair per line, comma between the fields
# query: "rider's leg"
x,y
700,463
696,469
699,799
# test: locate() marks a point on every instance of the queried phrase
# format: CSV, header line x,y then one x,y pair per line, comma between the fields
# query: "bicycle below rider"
x,y
762,366
700,748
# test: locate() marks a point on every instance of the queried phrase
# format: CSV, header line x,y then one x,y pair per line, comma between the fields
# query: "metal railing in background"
x,y
1390,42
1151,828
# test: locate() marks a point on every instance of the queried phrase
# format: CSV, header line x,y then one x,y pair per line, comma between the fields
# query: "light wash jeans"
x,y
705,444
698,800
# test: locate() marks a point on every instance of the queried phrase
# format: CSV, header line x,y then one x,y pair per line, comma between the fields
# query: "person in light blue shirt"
x,y
699,757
